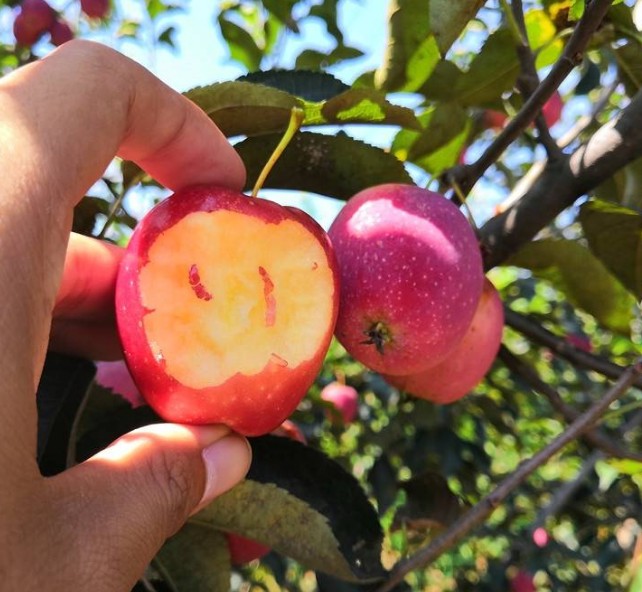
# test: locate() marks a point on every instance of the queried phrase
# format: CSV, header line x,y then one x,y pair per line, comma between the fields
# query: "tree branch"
x,y
562,182
467,175
595,437
480,512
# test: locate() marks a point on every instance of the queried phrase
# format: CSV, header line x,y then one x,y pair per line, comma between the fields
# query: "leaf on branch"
x,y
195,559
243,47
315,60
335,166
543,38
429,503
305,506
243,108
311,86
575,271
492,72
614,234
629,62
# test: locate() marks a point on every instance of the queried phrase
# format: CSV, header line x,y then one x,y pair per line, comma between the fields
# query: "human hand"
x,y
62,119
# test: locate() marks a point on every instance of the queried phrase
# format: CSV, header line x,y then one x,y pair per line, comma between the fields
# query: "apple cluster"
x,y
36,18
226,304
414,304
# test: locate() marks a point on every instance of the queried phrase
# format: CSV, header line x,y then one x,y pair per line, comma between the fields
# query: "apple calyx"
x,y
378,335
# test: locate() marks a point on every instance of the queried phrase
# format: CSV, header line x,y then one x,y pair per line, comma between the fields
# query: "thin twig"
x,y
481,511
468,175
595,437
579,358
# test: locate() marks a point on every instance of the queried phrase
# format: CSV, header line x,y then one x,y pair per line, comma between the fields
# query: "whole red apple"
x,y
34,19
344,398
226,306
468,362
411,277
95,8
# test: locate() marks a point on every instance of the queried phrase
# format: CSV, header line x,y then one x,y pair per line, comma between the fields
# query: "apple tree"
x,y
528,116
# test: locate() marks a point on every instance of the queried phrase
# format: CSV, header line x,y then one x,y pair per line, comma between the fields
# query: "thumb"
x,y
128,499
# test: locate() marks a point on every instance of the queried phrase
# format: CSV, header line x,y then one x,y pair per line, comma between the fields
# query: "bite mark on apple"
x,y
278,360
195,282
268,294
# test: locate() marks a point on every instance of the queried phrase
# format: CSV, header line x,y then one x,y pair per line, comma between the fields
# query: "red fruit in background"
x,y
540,537
60,33
344,398
580,342
115,376
288,429
468,362
552,109
226,306
494,119
522,582
244,550
95,8
411,277
34,19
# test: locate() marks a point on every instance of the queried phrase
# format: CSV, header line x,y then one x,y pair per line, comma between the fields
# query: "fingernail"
x,y
226,463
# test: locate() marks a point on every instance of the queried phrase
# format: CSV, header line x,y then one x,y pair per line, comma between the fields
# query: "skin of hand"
x,y
62,119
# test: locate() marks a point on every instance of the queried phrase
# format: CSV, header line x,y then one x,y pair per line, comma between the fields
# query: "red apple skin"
x,y
345,399
552,109
34,19
411,277
494,119
95,8
60,33
244,550
522,582
249,404
468,363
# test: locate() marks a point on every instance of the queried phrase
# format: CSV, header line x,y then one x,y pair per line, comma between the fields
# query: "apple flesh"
x,y
225,307
411,277
468,363
344,398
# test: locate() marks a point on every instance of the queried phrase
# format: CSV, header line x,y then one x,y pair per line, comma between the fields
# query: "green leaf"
x,y
361,105
195,559
243,108
242,46
311,59
412,47
542,36
629,62
327,12
614,234
492,72
448,19
336,166
442,123
624,187
443,82
167,36
305,506
577,10
574,270
311,86
282,10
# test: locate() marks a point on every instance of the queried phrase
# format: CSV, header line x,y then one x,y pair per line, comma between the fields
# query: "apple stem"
x,y
462,199
297,116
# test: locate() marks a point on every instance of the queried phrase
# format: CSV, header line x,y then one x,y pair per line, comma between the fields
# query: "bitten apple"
x,y
226,305
468,363
411,277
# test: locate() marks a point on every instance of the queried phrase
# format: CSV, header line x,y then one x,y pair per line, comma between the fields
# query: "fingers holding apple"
x,y
226,306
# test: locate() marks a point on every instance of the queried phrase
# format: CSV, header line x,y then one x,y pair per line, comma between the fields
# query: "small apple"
x,y
468,362
225,307
411,277
60,33
552,109
522,582
34,19
579,341
492,119
95,8
344,398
